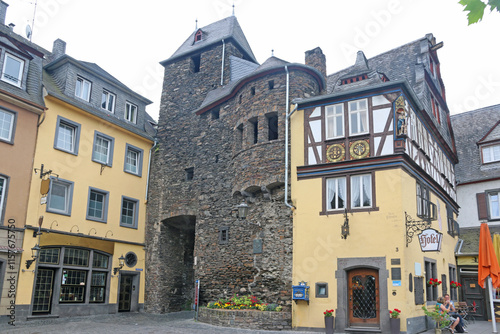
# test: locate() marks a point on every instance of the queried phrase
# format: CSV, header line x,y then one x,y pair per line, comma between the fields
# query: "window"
x,y
431,272
97,287
103,149
198,35
131,112
130,259
272,126
108,101
195,63
270,84
215,113
133,160
12,70
60,197
361,191
334,121
453,278
129,212
97,208
189,173
493,205
67,136
491,153
336,193
423,205
82,89
73,286
321,290
255,129
3,191
6,126
358,117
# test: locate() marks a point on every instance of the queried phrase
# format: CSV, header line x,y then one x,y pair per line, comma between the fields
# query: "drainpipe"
x,y
286,136
149,169
223,56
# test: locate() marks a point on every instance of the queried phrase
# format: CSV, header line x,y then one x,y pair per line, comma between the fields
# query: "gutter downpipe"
x,y
149,169
222,70
286,136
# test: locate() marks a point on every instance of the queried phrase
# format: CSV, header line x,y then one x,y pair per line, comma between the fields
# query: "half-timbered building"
x,y
372,181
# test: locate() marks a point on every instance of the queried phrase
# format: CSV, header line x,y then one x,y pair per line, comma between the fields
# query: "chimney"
x,y
3,11
11,26
58,48
315,58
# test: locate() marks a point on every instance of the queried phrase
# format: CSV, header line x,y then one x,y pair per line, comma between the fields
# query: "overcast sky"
x,y
129,38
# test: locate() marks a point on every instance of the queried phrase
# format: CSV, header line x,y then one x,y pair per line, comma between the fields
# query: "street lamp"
x,y
34,255
243,210
121,260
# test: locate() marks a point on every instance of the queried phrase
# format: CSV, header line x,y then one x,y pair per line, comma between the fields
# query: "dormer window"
x,y
12,70
354,79
491,153
198,35
82,89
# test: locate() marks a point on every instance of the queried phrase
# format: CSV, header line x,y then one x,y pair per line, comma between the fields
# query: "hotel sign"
x,y
430,240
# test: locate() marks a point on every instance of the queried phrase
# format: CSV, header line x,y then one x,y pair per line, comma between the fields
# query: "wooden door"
x,y
125,298
364,300
472,292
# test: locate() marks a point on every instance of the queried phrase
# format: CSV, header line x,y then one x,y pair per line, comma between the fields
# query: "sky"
x,y
129,38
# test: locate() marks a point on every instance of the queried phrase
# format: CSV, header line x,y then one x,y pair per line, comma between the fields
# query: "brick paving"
x,y
144,323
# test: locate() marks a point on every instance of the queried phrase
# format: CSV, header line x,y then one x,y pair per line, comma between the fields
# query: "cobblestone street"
x,y
125,323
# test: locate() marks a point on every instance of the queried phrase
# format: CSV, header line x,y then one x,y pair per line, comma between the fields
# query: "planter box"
x,y
250,319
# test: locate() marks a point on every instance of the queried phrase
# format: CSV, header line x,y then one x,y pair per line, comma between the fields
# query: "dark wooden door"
x,y
42,301
125,298
472,292
364,300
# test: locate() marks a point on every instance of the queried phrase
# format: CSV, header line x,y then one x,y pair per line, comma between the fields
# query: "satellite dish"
x,y
28,31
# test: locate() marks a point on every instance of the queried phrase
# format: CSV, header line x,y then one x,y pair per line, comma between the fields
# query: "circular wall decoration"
x,y
130,259
335,153
359,149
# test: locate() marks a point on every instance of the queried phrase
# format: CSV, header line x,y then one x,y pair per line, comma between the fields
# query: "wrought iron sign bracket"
x,y
414,226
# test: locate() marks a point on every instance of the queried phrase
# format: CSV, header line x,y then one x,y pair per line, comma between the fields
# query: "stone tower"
x,y
221,141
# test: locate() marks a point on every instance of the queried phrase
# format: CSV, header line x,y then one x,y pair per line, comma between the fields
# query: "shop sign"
x,y
430,240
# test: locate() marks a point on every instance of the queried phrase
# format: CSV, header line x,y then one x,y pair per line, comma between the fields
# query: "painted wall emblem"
x,y
401,117
335,153
359,149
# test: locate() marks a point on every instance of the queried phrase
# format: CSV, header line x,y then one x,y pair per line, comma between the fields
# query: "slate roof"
x,y
470,239
214,33
469,128
241,67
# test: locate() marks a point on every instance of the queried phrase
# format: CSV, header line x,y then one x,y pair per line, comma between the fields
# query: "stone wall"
x,y
251,319
228,167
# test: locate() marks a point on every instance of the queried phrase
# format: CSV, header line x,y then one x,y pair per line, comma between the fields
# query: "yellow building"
x,y
372,181
88,192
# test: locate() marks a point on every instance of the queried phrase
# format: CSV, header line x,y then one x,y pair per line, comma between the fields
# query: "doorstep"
x,y
38,317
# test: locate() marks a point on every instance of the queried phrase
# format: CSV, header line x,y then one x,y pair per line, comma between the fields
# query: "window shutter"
x,y
482,208
444,284
419,290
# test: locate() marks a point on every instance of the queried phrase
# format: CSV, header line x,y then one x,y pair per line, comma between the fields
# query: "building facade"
x,y
21,109
87,199
372,180
477,135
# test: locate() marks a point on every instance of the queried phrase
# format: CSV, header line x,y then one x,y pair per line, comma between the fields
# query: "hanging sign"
x,y
430,240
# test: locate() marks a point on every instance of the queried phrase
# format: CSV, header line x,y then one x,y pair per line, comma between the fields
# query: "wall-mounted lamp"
x,y
243,210
121,264
34,254
39,232
344,229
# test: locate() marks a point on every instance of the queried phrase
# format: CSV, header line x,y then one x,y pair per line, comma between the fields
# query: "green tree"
x,y
476,8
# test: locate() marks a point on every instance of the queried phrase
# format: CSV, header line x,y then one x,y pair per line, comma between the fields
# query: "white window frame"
x,y
105,101
75,142
105,195
98,136
365,180
490,153
7,77
80,91
423,201
139,156
334,114
359,114
493,199
68,196
10,131
338,185
131,116
135,214
3,194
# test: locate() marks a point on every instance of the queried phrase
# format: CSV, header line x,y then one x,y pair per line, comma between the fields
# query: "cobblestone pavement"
x,y
144,323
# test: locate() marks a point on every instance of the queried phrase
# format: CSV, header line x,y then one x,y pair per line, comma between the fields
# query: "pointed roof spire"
x,y
272,53
361,62
196,25
233,8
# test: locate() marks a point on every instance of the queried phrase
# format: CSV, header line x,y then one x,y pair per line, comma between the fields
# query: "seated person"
x,y
442,307
451,309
